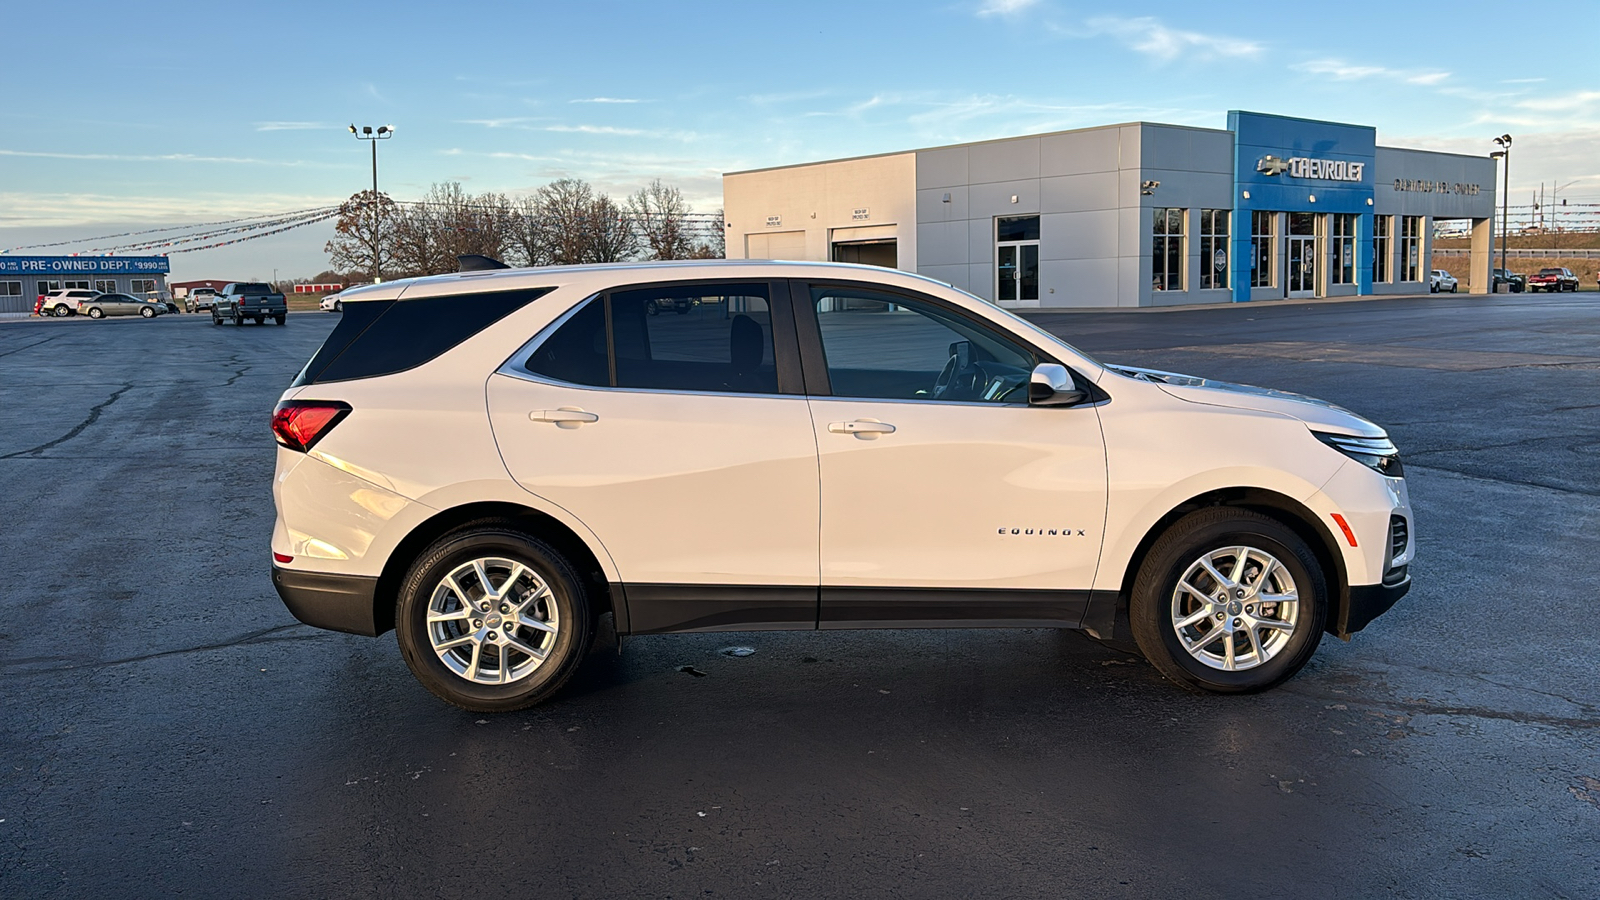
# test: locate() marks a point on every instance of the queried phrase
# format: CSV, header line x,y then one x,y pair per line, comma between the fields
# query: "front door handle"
x,y
866,429
565,417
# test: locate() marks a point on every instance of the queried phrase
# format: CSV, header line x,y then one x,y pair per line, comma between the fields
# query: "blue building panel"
x,y
1286,164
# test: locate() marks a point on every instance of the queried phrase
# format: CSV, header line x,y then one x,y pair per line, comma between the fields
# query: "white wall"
x,y
814,201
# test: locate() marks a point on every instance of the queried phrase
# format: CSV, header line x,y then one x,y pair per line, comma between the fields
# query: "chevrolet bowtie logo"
x,y
1272,165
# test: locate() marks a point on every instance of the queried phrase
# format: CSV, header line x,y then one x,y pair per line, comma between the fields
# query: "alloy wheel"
x,y
1235,608
492,620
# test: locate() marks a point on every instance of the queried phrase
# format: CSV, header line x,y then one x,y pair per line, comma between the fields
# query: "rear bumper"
x,y
1367,602
335,602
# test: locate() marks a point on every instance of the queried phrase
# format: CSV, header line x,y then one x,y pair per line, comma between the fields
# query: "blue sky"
x,y
145,114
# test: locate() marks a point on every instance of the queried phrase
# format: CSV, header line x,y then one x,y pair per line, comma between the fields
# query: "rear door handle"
x,y
866,429
565,417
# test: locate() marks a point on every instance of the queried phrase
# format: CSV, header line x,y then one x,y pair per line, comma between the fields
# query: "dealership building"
x,y
1140,214
24,278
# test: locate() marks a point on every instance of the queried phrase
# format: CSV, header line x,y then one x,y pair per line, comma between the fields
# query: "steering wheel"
x,y
956,382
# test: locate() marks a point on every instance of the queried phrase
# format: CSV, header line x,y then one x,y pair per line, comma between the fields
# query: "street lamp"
x,y
368,133
1554,206
1504,154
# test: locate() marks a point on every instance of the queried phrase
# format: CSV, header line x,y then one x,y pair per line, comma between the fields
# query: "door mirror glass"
x,y
1052,385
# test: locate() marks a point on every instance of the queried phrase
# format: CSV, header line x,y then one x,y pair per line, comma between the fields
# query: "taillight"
x,y
299,424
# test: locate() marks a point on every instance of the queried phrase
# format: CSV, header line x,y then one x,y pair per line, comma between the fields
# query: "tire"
x,y
216,319
261,320
565,604
338,306
238,320
148,313
96,313
279,319
1454,286
650,308
1158,606
61,312
1433,289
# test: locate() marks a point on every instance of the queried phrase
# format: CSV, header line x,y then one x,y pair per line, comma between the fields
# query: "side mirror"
x,y
1051,385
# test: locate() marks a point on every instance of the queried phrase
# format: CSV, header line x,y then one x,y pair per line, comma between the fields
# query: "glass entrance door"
x,y
1016,257
1302,267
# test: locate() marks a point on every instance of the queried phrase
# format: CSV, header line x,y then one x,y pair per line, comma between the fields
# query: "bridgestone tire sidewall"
x,y
1191,537
571,602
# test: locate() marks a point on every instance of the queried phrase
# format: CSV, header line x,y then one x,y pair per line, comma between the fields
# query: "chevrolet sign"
x,y
1303,167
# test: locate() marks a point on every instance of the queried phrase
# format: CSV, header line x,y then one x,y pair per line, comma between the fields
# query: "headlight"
x,y
1377,454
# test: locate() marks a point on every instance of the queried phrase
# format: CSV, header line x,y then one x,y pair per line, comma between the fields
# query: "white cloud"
x,y
605,100
161,157
1573,102
594,129
294,126
500,123
1340,70
1149,36
1004,7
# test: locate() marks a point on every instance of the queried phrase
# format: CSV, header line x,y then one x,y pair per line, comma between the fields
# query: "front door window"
x,y
1016,259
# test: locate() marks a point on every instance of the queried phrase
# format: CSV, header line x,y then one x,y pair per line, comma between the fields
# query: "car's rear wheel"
x,y
95,313
238,319
492,619
61,312
1228,600
279,319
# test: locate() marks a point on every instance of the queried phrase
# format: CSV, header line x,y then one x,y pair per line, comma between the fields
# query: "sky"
x,y
158,113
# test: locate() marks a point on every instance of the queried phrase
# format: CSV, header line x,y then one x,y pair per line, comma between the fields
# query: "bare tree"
x,y
525,237
660,215
363,234
714,242
611,235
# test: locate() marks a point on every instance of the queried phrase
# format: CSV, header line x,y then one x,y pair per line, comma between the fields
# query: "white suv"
x,y
488,462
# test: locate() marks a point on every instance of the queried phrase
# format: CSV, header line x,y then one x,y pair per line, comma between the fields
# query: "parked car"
x,y
201,299
1440,280
1553,280
331,303
488,463
1515,282
243,300
117,304
63,303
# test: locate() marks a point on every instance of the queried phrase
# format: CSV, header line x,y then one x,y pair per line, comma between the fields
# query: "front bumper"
x,y
335,602
1367,602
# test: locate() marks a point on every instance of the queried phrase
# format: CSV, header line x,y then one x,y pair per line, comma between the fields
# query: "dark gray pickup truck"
x,y
242,300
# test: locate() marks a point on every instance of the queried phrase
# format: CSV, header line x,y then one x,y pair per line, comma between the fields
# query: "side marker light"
x,y
1345,527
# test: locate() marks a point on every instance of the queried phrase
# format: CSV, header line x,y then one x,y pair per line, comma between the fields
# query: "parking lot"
x,y
170,729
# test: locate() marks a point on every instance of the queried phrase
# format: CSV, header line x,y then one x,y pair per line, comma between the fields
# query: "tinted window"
x,y
889,347
576,352
678,338
251,289
700,338
380,337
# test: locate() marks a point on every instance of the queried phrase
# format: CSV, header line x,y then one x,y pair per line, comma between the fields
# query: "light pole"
x,y
1554,206
368,133
1504,155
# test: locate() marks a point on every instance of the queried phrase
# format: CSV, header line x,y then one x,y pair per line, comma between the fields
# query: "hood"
x,y
1320,414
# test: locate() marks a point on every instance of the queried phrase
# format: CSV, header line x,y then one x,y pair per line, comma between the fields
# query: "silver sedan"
x,y
121,305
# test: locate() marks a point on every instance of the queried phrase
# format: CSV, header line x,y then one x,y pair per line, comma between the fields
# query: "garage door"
x,y
775,245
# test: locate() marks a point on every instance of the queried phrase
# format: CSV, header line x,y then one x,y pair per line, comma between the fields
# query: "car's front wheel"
x,y
148,313
493,619
1228,600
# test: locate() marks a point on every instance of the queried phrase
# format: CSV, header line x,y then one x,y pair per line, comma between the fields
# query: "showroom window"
x,y
49,287
10,289
890,347
1167,249
1410,248
76,285
710,338
142,286
1016,255
1381,270
1342,249
1214,248
1263,242
106,286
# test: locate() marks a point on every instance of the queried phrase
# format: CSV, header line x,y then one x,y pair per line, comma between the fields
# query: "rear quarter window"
x,y
381,337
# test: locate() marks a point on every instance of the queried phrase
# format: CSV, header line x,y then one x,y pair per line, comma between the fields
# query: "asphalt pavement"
x,y
170,730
